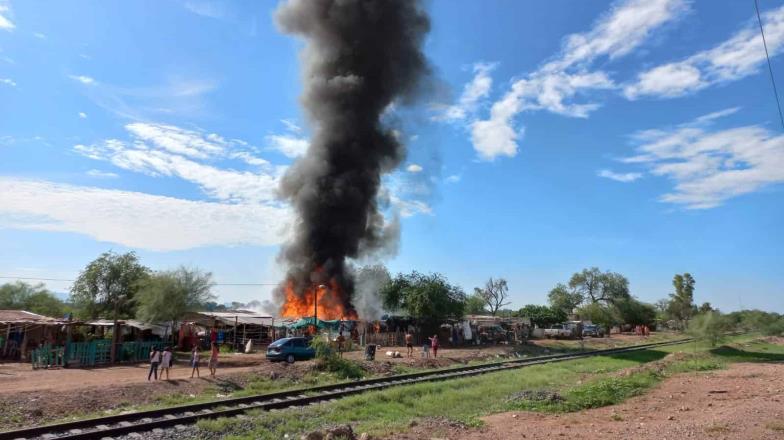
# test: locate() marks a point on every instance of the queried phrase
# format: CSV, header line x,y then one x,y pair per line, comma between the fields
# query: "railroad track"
x,y
151,420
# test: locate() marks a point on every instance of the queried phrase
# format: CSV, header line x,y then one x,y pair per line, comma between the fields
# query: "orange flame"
x,y
330,303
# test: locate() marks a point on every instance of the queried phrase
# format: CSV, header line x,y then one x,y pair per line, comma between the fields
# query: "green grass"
x,y
579,384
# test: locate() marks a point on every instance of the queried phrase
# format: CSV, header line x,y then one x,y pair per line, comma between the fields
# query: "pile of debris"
x,y
342,432
537,396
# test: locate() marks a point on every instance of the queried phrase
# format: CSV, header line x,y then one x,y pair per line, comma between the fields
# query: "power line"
x,y
770,68
69,280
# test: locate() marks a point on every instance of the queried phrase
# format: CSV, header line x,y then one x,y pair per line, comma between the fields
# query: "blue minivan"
x,y
290,350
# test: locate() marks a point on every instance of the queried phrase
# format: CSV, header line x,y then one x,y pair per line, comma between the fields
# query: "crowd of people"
x,y
164,360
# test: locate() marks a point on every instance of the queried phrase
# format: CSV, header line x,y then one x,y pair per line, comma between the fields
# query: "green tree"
x,y
711,326
166,296
600,314
494,294
33,298
681,306
597,286
634,312
475,305
429,298
705,308
542,316
108,286
564,299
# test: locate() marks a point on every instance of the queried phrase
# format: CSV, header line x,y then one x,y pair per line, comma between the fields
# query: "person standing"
x,y
426,349
195,361
213,363
434,345
155,360
166,362
409,343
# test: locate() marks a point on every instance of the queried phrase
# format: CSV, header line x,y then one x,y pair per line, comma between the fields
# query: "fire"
x,y
330,302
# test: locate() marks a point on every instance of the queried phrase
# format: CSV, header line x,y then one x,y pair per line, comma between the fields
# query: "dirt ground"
x,y
34,397
746,401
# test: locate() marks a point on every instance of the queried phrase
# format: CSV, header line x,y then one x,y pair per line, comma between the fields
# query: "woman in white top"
x,y
195,361
155,360
166,362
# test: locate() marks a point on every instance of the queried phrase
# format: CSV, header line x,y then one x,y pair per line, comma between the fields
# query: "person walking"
x,y
434,345
155,360
166,362
195,361
213,363
410,344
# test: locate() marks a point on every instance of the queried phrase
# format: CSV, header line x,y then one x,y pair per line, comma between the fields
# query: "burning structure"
x,y
361,56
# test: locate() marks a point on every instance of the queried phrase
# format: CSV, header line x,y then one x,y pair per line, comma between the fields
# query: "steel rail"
x,y
143,421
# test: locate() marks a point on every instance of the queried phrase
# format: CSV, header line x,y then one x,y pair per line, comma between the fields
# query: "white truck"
x,y
558,331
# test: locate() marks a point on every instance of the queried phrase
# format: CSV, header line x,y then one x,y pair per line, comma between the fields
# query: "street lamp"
x,y
315,305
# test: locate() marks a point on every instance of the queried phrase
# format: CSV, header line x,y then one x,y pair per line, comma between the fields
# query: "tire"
x,y
290,359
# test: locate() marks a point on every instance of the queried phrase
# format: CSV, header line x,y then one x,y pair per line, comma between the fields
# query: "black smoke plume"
x,y
361,57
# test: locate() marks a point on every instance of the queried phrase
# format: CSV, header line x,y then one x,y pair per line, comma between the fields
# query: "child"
x,y
213,364
155,360
426,349
166,362
434,345
195,361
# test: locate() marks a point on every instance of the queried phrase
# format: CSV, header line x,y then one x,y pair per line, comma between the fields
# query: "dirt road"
x,y
745,401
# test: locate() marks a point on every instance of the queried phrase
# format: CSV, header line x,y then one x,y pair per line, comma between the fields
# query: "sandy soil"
x,y
745,401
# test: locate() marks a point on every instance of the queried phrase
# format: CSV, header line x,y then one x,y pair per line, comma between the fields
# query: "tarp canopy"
x,y
159,329
308,322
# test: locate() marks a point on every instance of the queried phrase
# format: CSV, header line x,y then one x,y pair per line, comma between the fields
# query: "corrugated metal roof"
x,y
25,317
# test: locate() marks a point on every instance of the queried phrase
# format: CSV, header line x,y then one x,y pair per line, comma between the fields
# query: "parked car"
x,y
593,330
558,331
290,350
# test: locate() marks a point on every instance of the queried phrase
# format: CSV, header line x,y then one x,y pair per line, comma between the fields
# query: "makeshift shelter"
x,y
22,331
235,328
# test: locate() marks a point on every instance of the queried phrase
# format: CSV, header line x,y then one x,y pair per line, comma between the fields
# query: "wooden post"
x,y
23,345
236,324
7,337
244,340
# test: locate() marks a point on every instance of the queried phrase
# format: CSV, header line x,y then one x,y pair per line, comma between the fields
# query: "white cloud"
x,y
8,82
555,85
709,166
414,168
178,140
102,174
291,146
82,79
5,22
410,208
82,115
136,219
39,35
739,56
454,178
204,8
164,150
291,125
619,177
478,88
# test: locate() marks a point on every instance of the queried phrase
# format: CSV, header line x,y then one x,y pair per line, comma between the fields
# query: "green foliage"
x,y
564,299
426,297
166,296
107,286
597,286
33,298
711,326
681,305
328,360
767,323
475,305
543,316
634,312
599,314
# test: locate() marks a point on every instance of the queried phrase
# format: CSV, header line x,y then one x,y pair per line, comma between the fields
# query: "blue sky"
x,y
637,136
